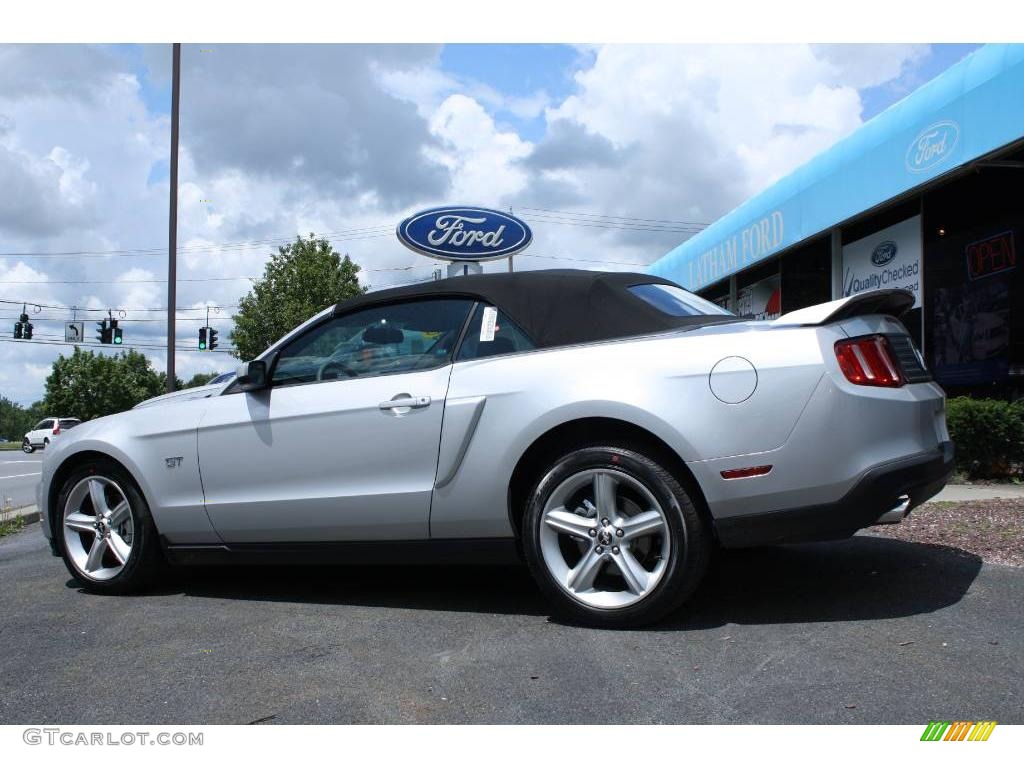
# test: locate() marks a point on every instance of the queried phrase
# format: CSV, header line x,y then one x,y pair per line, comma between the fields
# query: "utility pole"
x,y
172,233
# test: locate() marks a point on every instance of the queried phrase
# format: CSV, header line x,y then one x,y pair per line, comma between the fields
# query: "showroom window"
x,y
974,284
759,291
805,275
497,336
382,340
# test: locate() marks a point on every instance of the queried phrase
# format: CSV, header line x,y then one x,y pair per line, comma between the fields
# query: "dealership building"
x,y
926,196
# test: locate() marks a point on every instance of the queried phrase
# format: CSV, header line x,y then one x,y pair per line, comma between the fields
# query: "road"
x,y
869,630
19,475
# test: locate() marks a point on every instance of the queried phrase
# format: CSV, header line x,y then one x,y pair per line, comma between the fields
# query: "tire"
x,y
46,443
113,571
26,446
642,565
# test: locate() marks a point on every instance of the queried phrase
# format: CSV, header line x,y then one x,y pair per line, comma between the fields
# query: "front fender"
x,y
163,461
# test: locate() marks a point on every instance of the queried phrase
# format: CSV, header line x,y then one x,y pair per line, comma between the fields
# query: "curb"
x,y
979,492
29,514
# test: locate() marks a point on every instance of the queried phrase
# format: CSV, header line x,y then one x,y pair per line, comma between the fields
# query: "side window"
x,y
45,424
393,338
483,340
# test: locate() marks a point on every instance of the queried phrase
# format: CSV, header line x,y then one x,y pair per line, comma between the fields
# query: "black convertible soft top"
x,y
553,306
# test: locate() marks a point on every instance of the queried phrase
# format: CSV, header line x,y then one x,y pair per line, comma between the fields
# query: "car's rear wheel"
x,y
108,540
613,538
26,446
46,443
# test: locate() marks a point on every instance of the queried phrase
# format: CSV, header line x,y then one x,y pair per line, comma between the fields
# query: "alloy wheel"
x,y
604,538
98,528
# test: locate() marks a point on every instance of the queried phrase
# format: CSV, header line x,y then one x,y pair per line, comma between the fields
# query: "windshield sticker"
x,y
488,324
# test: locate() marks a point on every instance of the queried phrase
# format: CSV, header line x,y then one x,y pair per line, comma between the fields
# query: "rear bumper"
x,y
879,490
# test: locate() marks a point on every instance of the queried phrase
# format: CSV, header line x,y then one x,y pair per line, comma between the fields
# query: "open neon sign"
x,y
991,256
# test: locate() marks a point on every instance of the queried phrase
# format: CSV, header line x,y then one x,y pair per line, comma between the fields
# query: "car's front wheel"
x,y
26,446
613,538
108,540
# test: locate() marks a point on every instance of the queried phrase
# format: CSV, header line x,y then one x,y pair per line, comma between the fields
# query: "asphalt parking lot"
x,y
869,630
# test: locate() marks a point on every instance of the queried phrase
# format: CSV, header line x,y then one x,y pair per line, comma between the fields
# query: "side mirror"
x,y
252,375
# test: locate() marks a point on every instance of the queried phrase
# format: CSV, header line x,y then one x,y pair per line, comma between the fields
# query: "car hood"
x,y
192,393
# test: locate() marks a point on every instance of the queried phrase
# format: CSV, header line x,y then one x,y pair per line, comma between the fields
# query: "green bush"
x,y
989,436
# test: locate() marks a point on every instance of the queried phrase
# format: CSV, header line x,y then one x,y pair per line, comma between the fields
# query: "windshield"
x,y
673,300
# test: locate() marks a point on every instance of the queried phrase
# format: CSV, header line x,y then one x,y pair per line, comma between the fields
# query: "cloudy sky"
x,y
613,154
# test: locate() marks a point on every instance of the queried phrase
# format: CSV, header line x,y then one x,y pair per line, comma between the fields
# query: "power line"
x,y
620,218
613,225
116,309
341,235
588,261
159,347
180,279
125,282
201,319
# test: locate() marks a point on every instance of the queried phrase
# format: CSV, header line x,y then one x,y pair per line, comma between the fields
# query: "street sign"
x,y
74,331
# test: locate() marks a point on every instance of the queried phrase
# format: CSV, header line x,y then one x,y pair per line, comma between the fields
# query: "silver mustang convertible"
x,y
610,429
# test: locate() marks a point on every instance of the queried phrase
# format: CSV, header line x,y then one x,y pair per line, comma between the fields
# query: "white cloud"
x,y
480,157
43,196
863,66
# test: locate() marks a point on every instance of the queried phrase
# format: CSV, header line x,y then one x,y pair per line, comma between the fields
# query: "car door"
x,y
343,444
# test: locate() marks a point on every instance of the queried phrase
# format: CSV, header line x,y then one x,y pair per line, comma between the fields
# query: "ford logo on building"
x,y
458,233
884,253
932,145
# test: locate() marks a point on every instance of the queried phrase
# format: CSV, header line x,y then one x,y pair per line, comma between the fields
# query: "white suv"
x,y
45,431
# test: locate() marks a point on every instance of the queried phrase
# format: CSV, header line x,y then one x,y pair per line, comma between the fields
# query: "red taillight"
x,y
868,360
56,429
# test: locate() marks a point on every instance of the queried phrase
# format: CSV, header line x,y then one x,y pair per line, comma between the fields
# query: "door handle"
x,y
405,401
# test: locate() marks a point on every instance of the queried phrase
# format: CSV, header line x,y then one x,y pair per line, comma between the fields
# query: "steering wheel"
x,y
340,365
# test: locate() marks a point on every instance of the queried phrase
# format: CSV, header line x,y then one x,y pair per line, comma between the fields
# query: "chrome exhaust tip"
x,y
897,513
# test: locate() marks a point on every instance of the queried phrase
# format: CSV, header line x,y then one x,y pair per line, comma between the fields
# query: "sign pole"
x,y
172,230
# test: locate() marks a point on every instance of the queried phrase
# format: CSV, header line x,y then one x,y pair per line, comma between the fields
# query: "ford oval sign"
x,y
884,253
459,233
932,145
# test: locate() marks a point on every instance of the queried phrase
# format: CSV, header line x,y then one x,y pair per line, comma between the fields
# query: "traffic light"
x,y
23,328
202,339
115,332
103,332
211,337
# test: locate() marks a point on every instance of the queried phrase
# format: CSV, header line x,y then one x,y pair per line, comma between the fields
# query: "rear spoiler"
x,y
888,301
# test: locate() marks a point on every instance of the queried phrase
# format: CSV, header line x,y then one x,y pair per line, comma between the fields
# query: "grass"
x,y
7,527
10,446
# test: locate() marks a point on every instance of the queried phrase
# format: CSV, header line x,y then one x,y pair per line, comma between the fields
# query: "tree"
x,y
14,420
198,380
301,279
88,385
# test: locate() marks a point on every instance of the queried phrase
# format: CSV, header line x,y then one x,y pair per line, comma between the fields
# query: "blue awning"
x,y
971,109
